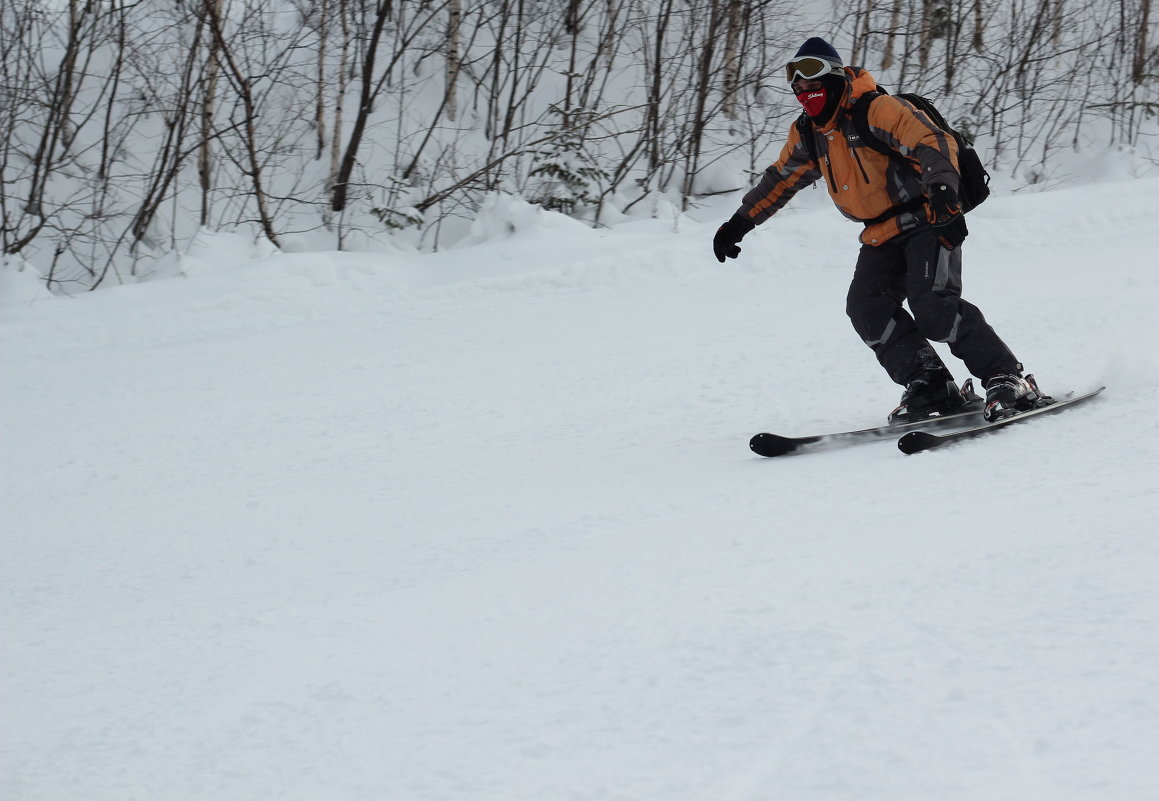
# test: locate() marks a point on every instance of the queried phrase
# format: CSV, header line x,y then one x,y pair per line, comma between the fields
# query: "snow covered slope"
x,y
483,525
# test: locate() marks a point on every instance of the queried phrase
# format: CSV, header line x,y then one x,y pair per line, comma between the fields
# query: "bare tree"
x,y
211,10
372,80
244,89
707,69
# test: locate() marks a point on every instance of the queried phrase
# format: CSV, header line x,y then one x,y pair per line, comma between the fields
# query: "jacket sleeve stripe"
x,y
793,171
779,194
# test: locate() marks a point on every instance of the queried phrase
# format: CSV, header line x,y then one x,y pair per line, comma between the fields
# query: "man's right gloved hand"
x,y
733,231
944,206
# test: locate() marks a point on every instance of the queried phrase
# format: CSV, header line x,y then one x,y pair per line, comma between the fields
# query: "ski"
x,y
919,441
769,445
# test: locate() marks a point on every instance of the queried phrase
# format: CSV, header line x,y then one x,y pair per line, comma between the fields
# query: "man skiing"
x,y
911,245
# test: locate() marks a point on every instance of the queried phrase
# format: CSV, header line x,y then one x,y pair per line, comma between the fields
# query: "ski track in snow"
x,y
483,525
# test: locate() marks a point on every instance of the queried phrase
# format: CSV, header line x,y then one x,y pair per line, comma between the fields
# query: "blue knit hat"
x,y
816,46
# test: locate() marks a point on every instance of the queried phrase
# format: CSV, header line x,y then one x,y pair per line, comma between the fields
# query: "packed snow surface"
x,y
483,525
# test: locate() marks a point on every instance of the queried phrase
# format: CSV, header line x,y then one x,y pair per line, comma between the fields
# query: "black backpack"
x,y
974,182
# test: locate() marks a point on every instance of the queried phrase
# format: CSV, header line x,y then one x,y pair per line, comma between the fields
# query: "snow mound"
x,y
20,284
503,216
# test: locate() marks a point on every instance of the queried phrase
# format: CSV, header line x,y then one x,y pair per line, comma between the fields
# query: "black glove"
x,y
953,234
944,205
733,231
946,215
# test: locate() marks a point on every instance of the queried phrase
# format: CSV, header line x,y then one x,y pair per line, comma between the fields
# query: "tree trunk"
x,y
208,105
732,58
652,124
925,43
860,49
979,25
1139,67
320,86
454,58
891,34
339,104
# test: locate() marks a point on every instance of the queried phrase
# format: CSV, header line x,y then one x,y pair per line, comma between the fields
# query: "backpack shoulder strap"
x,y
805,130
861,125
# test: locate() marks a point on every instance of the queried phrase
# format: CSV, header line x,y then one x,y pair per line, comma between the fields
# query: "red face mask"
x,y
813,101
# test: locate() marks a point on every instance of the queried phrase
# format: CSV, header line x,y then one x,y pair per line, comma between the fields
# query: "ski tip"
x,y
771,445
917,441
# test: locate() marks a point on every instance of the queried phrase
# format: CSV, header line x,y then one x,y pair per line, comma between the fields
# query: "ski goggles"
x,y
810,68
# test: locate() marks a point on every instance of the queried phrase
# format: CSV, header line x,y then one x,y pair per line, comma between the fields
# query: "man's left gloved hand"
x,y
733,231
953,234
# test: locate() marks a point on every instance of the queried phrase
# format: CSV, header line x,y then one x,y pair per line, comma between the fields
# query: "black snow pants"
x,y
915,268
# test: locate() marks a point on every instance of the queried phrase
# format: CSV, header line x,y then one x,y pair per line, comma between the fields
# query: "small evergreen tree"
x,y
565,175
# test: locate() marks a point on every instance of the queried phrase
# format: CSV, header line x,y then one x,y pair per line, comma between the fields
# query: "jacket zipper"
x,y
860,166
828,163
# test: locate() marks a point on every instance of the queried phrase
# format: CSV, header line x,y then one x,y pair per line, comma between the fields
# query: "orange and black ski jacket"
x,y
868,187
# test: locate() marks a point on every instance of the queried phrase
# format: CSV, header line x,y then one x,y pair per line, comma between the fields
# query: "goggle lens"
x,y
809,67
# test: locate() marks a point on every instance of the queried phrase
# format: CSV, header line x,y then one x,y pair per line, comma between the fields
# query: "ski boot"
x,y
1008,395
934,395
